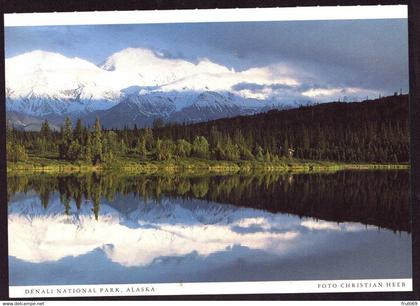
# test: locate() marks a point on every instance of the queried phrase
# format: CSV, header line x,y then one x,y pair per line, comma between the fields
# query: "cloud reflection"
x,y
152,231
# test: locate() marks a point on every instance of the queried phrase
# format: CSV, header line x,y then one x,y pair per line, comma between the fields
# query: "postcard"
x,y
227,151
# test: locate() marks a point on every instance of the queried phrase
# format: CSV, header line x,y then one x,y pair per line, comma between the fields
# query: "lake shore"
x,y
192,165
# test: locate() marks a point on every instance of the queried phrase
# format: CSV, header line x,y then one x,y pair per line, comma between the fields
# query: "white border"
x,y
207,15
199,16
334,286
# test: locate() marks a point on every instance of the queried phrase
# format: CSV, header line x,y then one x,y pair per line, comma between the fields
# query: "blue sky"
x,y
371,54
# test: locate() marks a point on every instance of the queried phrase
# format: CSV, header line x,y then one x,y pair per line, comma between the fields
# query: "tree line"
x,y
373,131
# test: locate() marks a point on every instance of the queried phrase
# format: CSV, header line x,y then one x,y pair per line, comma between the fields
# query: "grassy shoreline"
x,y
127,164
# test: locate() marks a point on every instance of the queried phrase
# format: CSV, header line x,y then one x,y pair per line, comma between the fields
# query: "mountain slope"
x,y
207,106
140,110
143,109
25,122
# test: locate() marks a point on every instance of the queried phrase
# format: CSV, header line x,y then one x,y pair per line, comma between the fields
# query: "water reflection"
x,y
378,198
97,229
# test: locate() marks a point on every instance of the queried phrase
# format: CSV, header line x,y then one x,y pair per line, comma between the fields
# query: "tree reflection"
x,y
378,198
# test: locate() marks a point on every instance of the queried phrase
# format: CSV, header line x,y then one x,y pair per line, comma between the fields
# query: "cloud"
x,y
176,235
276,81
257,87
44,73
370,54
350,93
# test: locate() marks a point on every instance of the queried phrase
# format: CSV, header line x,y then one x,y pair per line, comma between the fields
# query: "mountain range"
x,y
132,87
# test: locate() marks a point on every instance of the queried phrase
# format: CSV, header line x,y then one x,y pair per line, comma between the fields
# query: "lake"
x,y
111,228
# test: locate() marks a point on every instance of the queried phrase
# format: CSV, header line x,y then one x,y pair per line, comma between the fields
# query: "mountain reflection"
x,y
173,227
114,228
379,198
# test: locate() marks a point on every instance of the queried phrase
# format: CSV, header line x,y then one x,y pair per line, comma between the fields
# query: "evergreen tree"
x,y
66,139
168,149
45,131
97,142
148,137
74,151
141,148
87,152
200,147
246,153
267,156
259,153
183,148
305,140
16,152
67,130
78,131
159,150
110,143
231,150
286,147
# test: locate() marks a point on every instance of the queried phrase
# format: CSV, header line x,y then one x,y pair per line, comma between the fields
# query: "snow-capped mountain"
x,y
44,83
143,110
207,106
138,83
134,109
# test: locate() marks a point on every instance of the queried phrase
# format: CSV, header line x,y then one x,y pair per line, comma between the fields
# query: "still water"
x,y
116,228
